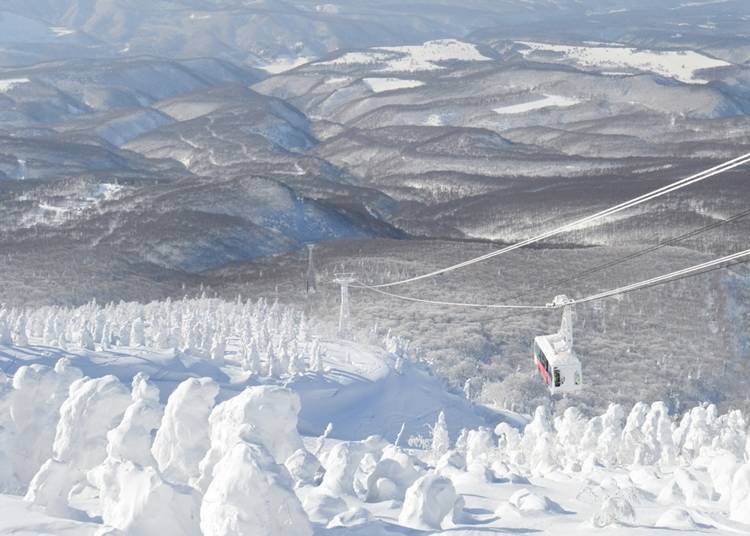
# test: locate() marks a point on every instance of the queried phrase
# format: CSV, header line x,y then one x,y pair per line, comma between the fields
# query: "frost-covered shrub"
x,y
33,403
266,415
200,327
543,457
695,431
614,511
722,468
739,509
451,463
684,487
304,468
5,335
732,434
569,428
137,501
93,407
590,440
7,479
440,438
540,425
508,438
612,427
251,495
343,461
131,439
525,502
182,439
431,503
632,436
387,478
480,447
657,445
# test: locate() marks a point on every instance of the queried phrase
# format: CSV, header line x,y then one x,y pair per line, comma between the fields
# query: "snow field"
x,y
415,58
548,101
221,455
282,65
9,83
274,337
379,85
681,65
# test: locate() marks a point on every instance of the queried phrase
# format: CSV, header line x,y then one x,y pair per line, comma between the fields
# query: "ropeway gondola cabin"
x,y
555,358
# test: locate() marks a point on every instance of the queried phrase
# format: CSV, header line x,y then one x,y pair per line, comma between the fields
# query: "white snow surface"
x,y
682,65
282,65
9,83
243,443
379,85
548,101
412,58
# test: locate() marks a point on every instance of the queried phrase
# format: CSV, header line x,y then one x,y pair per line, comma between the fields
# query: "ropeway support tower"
x,y
311,286
344,279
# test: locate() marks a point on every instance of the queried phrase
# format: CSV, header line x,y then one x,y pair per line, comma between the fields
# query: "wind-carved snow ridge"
x,y
223,453
412,58
681,65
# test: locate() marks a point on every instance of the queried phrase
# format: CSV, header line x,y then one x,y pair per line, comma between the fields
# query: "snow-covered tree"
x,y
607,443
87,339
440,437
218,350
5,335
316,357
251,362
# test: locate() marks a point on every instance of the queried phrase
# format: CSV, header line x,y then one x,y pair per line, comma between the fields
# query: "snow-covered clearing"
x,y
9,83
281,65
413,58
549,101
75,205
62,31
681,65
202,416
379,85
435,120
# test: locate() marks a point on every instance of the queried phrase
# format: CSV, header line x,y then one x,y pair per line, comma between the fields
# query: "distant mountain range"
x,y
180,136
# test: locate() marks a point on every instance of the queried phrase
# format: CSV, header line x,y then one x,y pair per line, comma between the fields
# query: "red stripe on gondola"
x,y
545,375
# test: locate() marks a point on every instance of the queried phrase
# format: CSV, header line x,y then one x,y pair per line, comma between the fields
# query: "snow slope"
x,y
549,101
360,388
9,83
379,85
228,457
412,58
682,65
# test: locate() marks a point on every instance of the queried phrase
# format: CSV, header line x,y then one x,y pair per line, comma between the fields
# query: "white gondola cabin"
x,y
555,358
